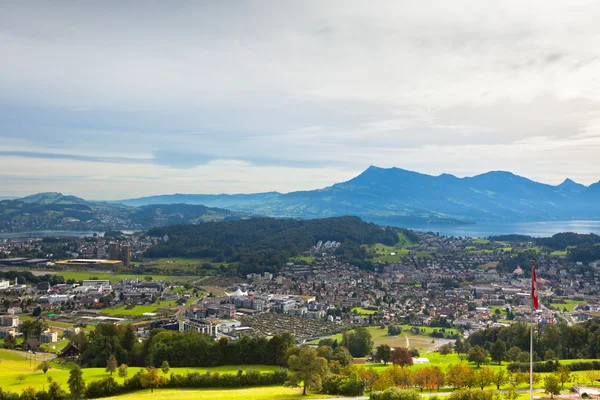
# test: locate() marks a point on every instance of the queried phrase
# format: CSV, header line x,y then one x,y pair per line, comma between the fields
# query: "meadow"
x,y
13,364
257,393
114,278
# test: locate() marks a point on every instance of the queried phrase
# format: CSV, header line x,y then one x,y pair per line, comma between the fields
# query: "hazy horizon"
x,y
123,99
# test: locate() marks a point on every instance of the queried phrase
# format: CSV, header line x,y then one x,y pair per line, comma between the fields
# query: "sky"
x,y
121,99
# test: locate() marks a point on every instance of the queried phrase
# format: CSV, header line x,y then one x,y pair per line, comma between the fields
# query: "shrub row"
x,y
344,385
551,366
395,393
109,387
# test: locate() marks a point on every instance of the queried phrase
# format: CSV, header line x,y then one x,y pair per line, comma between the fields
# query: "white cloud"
x,y
322,88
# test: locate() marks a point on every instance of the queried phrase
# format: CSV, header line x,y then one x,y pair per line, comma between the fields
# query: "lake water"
x,y
7,235
491,228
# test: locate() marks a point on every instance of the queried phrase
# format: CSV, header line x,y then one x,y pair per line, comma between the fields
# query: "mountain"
x,y
570,186
396,196
56,211
210,200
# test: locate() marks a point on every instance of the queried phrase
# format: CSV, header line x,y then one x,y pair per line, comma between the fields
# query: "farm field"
x,y
14,364
258,393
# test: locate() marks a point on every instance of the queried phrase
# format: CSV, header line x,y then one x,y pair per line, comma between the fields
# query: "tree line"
x,y
179,349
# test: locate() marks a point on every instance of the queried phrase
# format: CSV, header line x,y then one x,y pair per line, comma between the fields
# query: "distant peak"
x,y
571,185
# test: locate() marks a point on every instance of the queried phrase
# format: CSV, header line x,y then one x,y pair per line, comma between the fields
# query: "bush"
x,y
375,395
344,385
585,366
472,395
104,388
548,366
395,393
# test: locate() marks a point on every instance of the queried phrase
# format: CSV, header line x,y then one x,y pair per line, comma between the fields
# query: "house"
x,y
68,332
4,332
31,345
70,351
14,310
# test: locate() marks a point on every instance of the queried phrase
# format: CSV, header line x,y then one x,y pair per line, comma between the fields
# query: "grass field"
x,y
13,364
258,393
363,311
386,253
569,305
135,311
114,278
406,339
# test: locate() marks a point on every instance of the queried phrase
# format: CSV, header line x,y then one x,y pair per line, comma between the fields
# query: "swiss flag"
x,y
534,293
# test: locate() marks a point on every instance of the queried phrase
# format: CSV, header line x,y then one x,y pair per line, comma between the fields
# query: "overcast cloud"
x,y
119,99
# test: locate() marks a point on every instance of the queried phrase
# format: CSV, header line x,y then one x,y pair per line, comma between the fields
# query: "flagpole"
x,y
533,308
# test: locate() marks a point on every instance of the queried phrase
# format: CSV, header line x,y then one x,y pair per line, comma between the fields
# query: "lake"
x,y
491,228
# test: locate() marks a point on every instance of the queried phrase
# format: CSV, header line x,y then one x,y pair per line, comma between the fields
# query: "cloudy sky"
x,y
118,99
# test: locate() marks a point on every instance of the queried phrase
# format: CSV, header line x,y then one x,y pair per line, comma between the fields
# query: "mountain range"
x,y
395,196
388,196
55,211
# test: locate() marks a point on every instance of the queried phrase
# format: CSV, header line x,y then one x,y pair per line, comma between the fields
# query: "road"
x,y
37,356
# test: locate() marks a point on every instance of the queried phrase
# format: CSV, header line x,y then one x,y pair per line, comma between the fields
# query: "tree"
x,y
551,385
165,367
500,378
9,342
342,355
325,351
111,364
477,355
43,366
28,393
499,351
358,342
592,376
123,371
459,375
37,311
458,346
383,353
513,353
76,382
151,379
306,367
20,378
401,356
483,377
446,349
55,391
368,377
563,375
549,355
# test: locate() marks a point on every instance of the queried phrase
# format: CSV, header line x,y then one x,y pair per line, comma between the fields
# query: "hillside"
x,y
397,196
260,244
57,211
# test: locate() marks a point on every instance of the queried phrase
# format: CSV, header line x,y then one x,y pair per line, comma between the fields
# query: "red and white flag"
x,y
534,292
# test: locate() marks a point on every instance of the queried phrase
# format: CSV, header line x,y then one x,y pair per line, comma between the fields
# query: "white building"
x,y
49,337
9,320
4,285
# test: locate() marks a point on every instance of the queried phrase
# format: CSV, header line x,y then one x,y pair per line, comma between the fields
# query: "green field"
x,y
13,364
135,311
481,241
363,311
406,339
257,393
114,278
569,305
383,252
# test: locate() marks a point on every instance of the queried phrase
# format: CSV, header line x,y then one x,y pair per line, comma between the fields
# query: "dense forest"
x,y
564,341
266,244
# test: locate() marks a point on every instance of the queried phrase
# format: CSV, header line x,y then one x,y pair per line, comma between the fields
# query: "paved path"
x,y
38,356
427,394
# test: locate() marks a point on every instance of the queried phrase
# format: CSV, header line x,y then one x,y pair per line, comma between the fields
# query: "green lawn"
x,y
481,241
114,278
135,311
569,305
13,364
257,393
364,311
